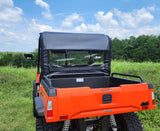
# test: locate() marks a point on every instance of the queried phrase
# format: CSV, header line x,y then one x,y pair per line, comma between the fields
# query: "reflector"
x,y
153,102
65,117
49,113
144,107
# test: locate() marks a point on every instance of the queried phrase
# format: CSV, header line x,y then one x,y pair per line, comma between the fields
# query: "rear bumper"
x,y
84,102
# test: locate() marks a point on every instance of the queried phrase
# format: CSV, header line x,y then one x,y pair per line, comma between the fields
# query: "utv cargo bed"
x,y
119,96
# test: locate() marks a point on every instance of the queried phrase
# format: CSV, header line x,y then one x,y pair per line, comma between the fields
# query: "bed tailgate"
x,y
81,102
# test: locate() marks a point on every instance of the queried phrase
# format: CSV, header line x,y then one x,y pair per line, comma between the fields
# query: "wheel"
x,y
127,122
80,125
41,125
104,123
34,95
94,124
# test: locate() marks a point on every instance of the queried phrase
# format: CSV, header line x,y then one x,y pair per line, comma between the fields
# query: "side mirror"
x,y
28,56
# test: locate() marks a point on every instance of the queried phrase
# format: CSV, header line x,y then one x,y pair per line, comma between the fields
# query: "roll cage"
x,y
64,42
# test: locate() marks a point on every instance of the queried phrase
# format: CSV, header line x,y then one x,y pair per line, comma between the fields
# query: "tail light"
x,y
49,109
153,101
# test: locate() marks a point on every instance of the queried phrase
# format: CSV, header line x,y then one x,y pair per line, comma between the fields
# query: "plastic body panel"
x,y
81,102
37,78
39,106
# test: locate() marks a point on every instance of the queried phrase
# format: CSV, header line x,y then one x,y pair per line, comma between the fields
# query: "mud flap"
x,y
39,106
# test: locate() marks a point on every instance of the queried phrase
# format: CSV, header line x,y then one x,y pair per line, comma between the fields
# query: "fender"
x,y
39,106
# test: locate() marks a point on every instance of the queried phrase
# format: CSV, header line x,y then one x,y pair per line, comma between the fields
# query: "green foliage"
x,y
140,49
150,118
17,59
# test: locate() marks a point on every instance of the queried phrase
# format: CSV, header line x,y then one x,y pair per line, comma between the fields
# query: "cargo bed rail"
x,y
129,75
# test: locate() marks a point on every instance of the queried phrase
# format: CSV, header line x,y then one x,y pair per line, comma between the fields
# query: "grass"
x,y
16,99
16,95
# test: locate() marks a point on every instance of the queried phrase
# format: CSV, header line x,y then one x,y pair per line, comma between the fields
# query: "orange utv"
x,y
75,90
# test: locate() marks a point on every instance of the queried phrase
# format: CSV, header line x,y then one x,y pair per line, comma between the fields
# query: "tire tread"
x,y
129,122
41,125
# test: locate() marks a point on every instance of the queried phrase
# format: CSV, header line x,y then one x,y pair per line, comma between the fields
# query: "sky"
x,y
21,21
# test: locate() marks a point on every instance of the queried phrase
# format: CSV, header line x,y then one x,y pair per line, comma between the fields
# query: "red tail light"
x,y
153,101
49,109
50,113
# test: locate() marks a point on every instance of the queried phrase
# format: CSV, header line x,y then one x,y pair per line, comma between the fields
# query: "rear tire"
x,y
128,122
41,125
105,123
81,125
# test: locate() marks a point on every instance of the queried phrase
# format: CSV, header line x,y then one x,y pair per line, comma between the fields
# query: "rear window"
x,y
76,58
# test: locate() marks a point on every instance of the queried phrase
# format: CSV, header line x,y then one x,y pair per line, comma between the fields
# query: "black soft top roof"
x,y
74,41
